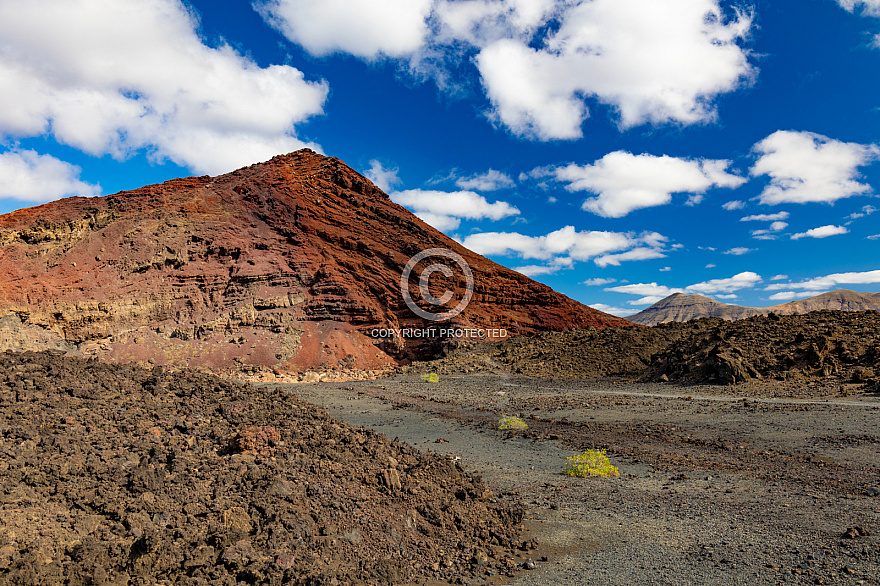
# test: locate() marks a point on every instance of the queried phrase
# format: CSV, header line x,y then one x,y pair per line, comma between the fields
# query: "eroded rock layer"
x,y
287,265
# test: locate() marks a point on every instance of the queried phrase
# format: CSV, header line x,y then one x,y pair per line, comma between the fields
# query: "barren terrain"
x,y
123,475
786,355
126,475
715,488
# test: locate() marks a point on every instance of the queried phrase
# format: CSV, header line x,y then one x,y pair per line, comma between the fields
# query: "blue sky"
x,y
616,150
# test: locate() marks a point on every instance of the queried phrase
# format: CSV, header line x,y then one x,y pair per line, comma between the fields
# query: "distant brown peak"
x,y
681,307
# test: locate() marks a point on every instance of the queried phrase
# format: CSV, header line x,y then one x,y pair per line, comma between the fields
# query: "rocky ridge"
x,y
785,353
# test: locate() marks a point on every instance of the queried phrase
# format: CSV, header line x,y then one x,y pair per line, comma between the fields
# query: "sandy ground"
x,y
714,488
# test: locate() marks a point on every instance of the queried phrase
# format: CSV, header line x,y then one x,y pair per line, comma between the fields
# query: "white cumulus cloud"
x,y
540,61
385,179
738,251
646,289
653,61
445,210
536,270
598,282
733,205
562,248
744,280
119,76
491,180
821,232
643,253
29,176
866,211
830,281
649,300
480,22
565,241
771,232
790,295
765,217
618,311
365,28
806,167
868,7
652,292
625,182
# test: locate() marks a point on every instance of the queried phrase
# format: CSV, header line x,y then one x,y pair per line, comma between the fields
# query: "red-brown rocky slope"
x,y
289,264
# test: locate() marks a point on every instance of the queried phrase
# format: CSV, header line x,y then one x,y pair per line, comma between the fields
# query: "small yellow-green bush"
x,y
590,463
431,377
512,422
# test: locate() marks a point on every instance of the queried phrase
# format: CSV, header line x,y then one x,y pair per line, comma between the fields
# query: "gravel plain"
x,y
715,488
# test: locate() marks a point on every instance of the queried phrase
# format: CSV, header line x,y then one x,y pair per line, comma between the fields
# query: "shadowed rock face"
x,y
679,307
288,264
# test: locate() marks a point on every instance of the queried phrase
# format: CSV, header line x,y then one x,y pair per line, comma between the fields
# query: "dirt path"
x,y
684,392
713,489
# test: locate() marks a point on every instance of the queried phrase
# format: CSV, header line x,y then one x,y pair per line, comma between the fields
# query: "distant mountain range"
x,y
681,307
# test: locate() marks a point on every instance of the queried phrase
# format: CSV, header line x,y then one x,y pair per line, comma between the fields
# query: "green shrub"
x,y
512,422
431,377
590,463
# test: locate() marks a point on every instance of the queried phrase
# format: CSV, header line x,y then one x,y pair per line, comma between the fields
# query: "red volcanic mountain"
x,y
289,264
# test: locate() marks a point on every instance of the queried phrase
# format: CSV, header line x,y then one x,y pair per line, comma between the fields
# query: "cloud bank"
x,y
652,292
562,248
116,77
541,61
829,281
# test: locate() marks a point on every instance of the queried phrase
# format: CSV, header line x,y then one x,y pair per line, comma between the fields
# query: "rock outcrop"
x,y
785,354
288,265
